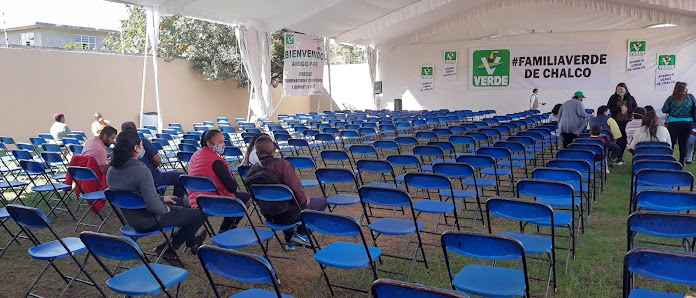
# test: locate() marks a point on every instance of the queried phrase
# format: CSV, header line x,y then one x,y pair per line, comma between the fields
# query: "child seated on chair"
x,y
596,132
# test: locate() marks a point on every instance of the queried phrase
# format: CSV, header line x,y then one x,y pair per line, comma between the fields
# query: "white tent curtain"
x,y
372,65
152,30
327,54
255,49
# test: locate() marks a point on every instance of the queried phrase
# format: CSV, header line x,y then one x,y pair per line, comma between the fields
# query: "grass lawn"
x,y
596,271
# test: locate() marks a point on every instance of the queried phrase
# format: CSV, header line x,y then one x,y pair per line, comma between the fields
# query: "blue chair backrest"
x,y
516,147
670,266
654,164
193,137
427,181
384,196
454,169
374,166
82,173
665,157
51,148
653,150
111,247
272,192
37,141
298,143
32,167
52,157
445,146
221,206
331,223
406,141
581,166
427,150
557,174
387,288
232,151
596,149
661,224
594,141
576,154
654,144
668,178
198,183
363,150
495,152
28,217
187,147
676,200
334,155
184,156
403,160
482,246
526,141
125,199
544,188
22,154
520,210
334,175
300,162
462,140
76,149
70,141
236,265
477,161
386,145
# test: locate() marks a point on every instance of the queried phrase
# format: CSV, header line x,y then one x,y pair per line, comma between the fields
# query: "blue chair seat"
x,y
389,138
10,169
309,183
59,176
234,169
558,202
139,281
640,188
384,184
561,219
458,154
346,255
532,244
8,184
4,213
259,293
232,159
343,200
640,293
285,149
395,226
369,142
480,182
405,135
437,207
55,250
490,281
401,178
427,168
48,187
281,227
131,232
93,196
240,237
500,172
459,194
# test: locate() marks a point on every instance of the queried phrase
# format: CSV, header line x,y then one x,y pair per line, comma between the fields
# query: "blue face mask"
x,y
141,155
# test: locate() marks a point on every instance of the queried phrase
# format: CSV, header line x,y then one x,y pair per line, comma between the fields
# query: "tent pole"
x,y
142,92
327,46
155,40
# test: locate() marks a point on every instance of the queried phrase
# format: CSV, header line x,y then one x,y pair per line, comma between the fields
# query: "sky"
x,y
85,13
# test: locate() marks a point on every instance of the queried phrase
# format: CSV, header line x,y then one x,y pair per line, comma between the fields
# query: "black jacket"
x,y
616,109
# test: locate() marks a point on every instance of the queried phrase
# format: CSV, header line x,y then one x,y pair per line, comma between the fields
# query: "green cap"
x,y
579,94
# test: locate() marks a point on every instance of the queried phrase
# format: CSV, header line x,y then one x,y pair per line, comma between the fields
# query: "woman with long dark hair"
x,y
622,105
680,121
128,173
208,162
650,131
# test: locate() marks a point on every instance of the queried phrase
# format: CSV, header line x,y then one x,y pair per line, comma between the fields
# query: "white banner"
x,y
303,70
559,67
635,59
666,72
449,69
426,79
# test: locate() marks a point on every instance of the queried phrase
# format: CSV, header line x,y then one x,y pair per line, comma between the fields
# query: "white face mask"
x,y
219,148
620,93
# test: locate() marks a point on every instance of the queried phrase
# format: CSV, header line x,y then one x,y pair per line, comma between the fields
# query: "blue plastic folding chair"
x,y
428,182
525,212
662,180
44,192
650,164
483,280
504,165
332,177
28,219
664,157
653,150
479,163
336,158
390,226
388,288
680,226
572,177
359,151
239,267
145,279
339,254
460,172
428,155
81,175
665,201
654,144
669,266
266,194
302,163
384,170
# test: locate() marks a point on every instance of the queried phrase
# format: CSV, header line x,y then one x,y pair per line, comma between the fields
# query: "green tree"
x,y
347,54
212,47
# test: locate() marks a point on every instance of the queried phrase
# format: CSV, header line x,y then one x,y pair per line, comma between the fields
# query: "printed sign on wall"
x,y
565,66
635,60
666,72
426,79
449,69
303,71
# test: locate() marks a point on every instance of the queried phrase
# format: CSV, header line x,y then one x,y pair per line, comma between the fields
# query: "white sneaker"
x,y
620,163
608,171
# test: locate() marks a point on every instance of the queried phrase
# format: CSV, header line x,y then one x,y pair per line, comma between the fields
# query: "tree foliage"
x,y
212,47
347,54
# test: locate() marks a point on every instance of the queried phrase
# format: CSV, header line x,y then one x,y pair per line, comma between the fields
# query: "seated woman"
x,y
208,162
127,173
651,131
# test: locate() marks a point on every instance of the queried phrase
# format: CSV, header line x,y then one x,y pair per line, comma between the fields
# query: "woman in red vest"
x,y
208,162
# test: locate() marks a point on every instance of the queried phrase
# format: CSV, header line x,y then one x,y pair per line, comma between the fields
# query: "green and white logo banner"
x,y
426,79
303,71
666,72
635,60
449,69
564,66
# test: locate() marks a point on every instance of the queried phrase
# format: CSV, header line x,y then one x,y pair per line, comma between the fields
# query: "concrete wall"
x,y
35,84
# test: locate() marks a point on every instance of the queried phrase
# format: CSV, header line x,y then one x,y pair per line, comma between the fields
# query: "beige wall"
x,y
35,84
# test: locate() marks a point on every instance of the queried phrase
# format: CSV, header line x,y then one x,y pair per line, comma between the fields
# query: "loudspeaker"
x,y
378,87
397,104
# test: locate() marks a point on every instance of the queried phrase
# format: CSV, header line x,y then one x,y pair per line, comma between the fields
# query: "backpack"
x,y
261,174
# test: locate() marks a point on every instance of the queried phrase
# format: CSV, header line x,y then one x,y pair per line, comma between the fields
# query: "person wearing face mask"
x,y
127,173
622,105
208,162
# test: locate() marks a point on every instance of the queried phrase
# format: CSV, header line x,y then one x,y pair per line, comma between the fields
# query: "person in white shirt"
x,y
533,100
99,124
59,129
651,131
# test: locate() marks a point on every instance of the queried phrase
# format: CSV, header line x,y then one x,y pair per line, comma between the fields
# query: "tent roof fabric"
x,y
390,22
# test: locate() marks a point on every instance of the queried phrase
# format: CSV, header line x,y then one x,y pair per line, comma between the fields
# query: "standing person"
x,y
129,174
99,124
680,107
96,147
622,105
153,161
651,131
208,162
572,118
533,100
59,129
635,124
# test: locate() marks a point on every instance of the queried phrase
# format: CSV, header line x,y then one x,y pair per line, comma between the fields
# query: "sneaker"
x,y
688,162
301,240
289,246
608,171
619,163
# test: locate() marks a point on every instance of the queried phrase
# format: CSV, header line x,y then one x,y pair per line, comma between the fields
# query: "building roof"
x,y
39,25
